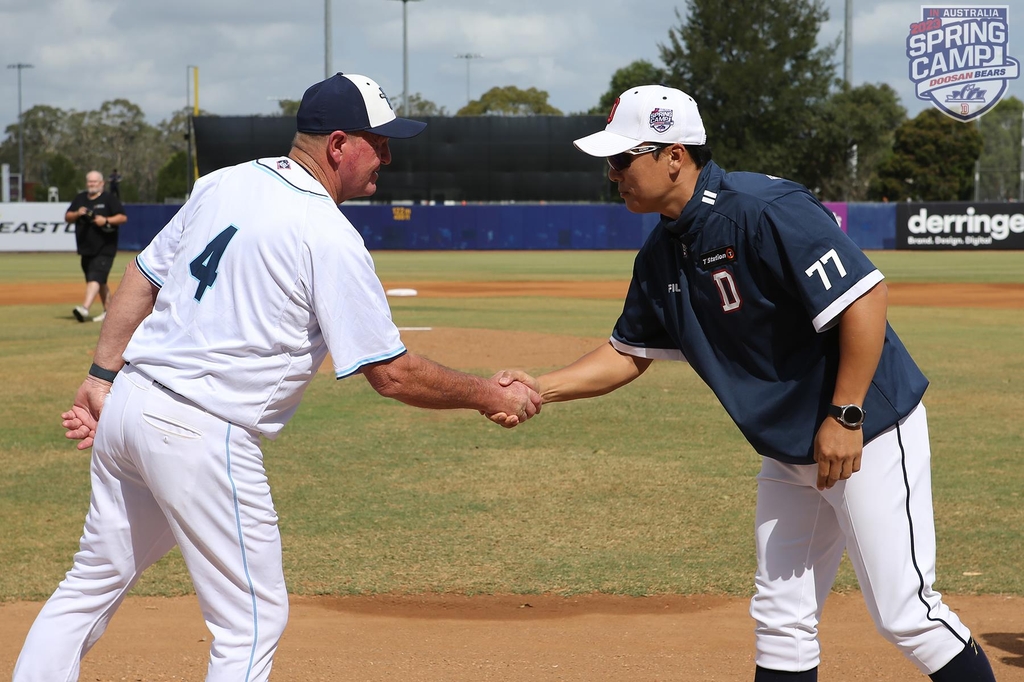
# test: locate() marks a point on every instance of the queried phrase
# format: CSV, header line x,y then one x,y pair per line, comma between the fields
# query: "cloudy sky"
x,y
251,52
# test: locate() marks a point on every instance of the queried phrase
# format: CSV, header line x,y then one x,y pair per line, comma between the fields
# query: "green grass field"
x,y
494,266
648,490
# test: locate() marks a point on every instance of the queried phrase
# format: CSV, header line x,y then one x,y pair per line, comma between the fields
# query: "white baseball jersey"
x,y
258,281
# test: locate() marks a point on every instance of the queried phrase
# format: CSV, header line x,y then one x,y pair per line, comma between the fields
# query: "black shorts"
x,y
96,268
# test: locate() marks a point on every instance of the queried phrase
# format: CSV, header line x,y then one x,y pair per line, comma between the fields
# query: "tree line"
x,y
768,93
61,146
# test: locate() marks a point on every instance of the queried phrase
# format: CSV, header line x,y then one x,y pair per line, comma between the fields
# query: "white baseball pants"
x,y
882,516
166,472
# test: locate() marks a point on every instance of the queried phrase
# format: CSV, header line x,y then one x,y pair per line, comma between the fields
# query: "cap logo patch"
x,y
614,107
661,120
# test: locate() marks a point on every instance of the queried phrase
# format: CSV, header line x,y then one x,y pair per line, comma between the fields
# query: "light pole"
x,y
848,78
1020,188
977,166
405,58
848,45
469,57
21,133
327,39
191,82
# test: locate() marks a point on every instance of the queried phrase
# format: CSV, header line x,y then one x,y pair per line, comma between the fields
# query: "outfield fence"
x,y
872,226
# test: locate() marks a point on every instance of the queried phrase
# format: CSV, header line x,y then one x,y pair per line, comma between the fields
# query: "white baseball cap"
x,y
647,113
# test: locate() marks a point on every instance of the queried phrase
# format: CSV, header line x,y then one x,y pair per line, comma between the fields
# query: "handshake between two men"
x,y
600,371
508,398
516,381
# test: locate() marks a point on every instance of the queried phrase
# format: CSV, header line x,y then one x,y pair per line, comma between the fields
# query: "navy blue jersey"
x,y
747,286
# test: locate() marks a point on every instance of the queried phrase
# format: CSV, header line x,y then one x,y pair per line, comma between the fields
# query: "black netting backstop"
x,y
465,158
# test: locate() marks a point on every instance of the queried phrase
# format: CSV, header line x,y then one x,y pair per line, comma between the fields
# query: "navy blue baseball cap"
x,y
351,103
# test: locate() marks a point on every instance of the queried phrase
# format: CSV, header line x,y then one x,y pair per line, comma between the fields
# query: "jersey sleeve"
x,y
156,259
802,245
350,304
640,330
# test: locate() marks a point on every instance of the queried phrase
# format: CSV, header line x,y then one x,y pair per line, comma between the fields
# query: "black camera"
x,y
89,214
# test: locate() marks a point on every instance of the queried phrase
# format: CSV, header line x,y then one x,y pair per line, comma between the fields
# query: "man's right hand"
x,y
80,421
511,379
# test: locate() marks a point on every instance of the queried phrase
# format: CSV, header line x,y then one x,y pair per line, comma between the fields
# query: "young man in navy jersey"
x,y
749,279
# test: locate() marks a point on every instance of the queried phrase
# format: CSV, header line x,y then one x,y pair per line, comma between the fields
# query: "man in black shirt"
x,y
97,215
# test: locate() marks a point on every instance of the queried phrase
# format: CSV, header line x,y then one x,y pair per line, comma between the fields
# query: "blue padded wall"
x,y
507,226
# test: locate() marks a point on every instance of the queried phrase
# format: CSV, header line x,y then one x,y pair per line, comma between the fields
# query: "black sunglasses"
x,y
620,162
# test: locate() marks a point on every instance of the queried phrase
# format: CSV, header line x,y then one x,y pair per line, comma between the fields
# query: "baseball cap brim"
x,y
399,128
604,143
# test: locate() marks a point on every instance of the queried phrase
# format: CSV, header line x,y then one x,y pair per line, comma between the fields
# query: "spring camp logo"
x,y
958,58
661,120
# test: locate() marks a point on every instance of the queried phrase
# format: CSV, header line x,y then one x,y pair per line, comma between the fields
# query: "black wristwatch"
x,y
850,416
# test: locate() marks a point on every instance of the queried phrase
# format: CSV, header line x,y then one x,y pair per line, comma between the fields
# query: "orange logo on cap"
x,y
614,107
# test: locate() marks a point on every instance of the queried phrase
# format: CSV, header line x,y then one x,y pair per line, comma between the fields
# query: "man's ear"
x,y
680,158
335,146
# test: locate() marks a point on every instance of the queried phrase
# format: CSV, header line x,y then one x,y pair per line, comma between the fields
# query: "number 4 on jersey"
x,y
204,267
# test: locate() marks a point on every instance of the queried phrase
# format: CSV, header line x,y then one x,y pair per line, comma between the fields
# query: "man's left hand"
x,y
80,421
837,450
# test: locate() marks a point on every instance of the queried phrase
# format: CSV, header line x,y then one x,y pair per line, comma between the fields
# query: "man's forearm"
x,y
417,381
600,371
129,306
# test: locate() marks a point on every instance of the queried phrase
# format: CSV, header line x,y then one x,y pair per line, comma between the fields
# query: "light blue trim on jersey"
x,y
245,562
352,369
650,353
274,174
147,273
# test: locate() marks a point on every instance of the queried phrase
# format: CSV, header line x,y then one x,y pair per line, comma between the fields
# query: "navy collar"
x,y
697,209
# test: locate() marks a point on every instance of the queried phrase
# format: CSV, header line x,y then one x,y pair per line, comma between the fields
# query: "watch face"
x,y
853,415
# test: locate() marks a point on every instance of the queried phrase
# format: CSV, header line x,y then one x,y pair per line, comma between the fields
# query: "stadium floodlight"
x,y
405,58
468,56
21,133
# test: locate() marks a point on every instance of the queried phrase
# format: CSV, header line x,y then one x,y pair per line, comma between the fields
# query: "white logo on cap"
x,y
661,120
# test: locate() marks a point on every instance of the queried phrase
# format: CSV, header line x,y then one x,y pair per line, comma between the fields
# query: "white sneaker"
x,y
81,313
99,318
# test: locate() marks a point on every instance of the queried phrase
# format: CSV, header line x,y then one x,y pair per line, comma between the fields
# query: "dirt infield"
x,y
515,638
518,638
944,295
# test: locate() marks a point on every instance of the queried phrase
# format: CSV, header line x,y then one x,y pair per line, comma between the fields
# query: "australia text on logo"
x,y
959,59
